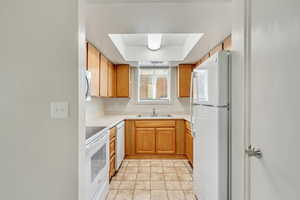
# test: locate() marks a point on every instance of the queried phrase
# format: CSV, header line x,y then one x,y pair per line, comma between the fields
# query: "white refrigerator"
x,y
210,123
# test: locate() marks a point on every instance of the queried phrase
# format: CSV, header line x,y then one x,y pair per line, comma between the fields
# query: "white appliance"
x,y
97,155
210,119
120,144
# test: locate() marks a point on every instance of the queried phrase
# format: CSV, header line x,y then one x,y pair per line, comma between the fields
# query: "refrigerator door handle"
x,y
192,102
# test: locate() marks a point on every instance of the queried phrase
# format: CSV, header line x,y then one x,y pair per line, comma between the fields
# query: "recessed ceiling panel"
x,y
174,46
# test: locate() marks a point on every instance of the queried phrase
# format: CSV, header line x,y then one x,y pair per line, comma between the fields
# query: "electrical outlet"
x,y
59,110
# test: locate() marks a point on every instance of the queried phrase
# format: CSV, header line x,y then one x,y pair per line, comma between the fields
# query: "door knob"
x,y
253,152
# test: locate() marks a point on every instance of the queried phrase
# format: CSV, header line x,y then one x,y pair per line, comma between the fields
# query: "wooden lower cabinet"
x,y
145,140
155,138
112,152
189,150
165,140
112,147
112,166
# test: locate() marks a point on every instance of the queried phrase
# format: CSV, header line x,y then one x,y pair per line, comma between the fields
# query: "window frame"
x,y
154,101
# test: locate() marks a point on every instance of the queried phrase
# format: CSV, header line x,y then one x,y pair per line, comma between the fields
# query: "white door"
x,y
275,99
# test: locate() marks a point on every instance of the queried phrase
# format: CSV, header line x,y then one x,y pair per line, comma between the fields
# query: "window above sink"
x,y
154,85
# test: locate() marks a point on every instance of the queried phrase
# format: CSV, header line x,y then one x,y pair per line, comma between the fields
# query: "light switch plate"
x,y
59,110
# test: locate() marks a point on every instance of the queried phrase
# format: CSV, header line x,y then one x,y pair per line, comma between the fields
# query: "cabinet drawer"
x,y
112,147
154,123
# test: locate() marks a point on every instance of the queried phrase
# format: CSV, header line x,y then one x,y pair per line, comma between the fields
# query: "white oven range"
x,y
97,163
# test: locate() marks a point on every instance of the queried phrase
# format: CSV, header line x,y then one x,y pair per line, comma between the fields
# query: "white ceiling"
x,y
197,16
174,47
152,1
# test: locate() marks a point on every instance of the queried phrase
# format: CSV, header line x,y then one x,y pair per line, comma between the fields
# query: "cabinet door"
x,y
130,143
103,76
145,140
227,43
111,80
112,147
184,80
165,140
112,166
189,145
93,66
123,81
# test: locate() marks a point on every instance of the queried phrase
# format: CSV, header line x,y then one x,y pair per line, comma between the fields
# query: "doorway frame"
x,y
241,100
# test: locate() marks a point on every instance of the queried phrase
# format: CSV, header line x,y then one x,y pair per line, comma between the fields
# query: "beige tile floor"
x,y
152,180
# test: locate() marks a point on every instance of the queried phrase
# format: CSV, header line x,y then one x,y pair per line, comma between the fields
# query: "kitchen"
x,y
148,147
139,102
138,99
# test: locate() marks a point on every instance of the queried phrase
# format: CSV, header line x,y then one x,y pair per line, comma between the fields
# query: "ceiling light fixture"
x,y
154,41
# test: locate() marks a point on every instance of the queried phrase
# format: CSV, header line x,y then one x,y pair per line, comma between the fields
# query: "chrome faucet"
x,y
154,112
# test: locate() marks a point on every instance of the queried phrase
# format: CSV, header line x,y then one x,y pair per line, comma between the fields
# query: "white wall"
x,y
238,71
38,65
130,106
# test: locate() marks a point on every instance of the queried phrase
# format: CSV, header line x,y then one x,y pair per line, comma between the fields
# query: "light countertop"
x,y
109,121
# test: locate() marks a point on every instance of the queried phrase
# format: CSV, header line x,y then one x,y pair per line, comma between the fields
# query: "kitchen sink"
x,y
155,116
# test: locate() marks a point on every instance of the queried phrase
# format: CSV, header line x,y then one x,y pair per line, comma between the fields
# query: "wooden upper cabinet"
x,y
216,49
227,43
111,80
145,140
184,79
205,58
123,81
103,76
93,66
165,140
108,80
